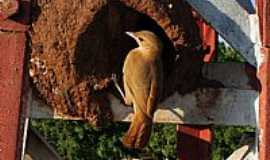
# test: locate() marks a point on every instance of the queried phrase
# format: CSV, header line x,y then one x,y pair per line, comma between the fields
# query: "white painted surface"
x,y
230,74
231,21
245,152
203,106
231,106
210,106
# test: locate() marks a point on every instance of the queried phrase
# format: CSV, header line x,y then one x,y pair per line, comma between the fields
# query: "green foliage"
x,y
227,139
225,54
162,143
75,140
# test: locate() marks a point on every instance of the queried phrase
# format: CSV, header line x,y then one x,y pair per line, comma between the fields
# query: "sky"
x,y
253,2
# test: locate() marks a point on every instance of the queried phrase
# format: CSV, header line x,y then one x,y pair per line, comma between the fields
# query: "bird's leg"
x,y
114,79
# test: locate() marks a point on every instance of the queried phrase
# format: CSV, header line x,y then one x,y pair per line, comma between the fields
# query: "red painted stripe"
x,y
194,142
263,7
12,48
13,88
264,103
210,42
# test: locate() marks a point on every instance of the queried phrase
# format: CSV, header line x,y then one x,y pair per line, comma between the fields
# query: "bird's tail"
x,y
139,131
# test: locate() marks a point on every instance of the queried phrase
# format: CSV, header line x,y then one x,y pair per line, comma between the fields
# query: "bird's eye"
x,y
141,39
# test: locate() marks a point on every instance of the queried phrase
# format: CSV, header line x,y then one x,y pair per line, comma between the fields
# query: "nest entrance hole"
x,y
103,46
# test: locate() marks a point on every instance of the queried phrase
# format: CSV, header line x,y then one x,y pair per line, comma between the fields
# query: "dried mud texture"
x,y
77,45
7,8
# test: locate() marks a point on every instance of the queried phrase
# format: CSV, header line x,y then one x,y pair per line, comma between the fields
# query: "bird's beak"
x,y
132,35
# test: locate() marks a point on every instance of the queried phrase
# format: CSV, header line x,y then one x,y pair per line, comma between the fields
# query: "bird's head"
x,y
147,40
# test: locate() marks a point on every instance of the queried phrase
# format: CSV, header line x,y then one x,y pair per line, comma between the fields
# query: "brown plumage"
x,y
143,78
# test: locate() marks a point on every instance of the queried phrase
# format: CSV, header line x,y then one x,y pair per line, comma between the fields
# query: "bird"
x,y
143,85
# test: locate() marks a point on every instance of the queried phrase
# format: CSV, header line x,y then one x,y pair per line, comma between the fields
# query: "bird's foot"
x,y
127,102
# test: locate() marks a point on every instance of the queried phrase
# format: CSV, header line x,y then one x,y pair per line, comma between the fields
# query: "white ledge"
x,y
234,105
203,106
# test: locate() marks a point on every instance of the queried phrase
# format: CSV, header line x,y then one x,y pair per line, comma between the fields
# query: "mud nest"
x,y
77,45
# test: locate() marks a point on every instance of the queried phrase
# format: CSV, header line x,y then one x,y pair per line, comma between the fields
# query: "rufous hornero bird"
x,y
143,80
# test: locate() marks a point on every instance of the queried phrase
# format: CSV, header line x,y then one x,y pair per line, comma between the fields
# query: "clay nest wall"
x,y
77,45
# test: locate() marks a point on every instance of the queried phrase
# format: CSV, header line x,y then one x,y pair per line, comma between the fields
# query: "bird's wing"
x,y
126,76
156,86
139,82
128,91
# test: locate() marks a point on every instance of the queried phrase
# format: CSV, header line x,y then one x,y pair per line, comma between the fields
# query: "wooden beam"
x,y
13,101
263,137
231,106
264,17
232,22
245,152
232,75
202,107
39,148
194,138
